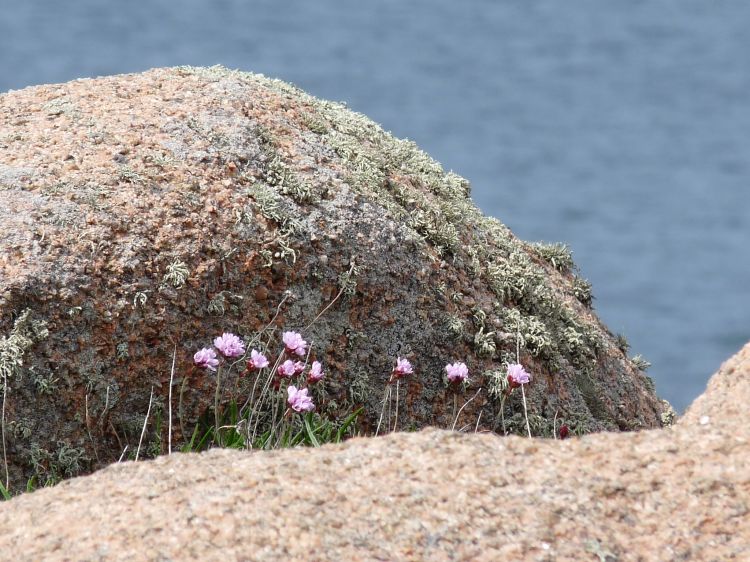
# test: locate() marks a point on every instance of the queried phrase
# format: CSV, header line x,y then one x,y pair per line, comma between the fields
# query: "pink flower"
x,y
316,372
294,343
458,372
402,368
517,375
298,400
229,345
206,357
299,366
287,369
257,360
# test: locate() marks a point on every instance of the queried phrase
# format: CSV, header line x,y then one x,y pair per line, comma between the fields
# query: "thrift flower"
x,y
402,368
458,372
229,345
257,360
316,372
206,357
294,343
299,366
517,375
564,431
298,400
287,369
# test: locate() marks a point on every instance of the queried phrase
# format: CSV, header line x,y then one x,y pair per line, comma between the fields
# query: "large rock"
x,y
681,493
147,213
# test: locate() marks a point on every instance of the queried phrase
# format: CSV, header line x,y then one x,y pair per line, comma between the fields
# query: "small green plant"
x,y
582,291
177,273
556,254
640,363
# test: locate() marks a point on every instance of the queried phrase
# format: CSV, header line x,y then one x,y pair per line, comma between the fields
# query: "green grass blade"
x,y
4,492
311,432
347,422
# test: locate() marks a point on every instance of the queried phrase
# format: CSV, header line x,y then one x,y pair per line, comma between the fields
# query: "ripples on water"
x,y
618,127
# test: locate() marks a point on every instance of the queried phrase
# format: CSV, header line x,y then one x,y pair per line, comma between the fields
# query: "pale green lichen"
x,y
216,305
572,340
25,333
283,252
128,175
51,467
513,278
484,343
497,383
280,175
455,326
140,299
176,275
556,254
669,415
640,363
582,291
533,334
122,351
315,123
45,384
348,280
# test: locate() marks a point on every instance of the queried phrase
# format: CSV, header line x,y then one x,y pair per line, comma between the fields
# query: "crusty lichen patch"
x,y
26,332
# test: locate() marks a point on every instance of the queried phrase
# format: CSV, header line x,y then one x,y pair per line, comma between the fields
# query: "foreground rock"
x,y
681,493
147,214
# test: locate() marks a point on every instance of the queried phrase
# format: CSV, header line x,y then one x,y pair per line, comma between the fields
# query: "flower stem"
x,y
462,408
395,421
525,413
217,437
386,396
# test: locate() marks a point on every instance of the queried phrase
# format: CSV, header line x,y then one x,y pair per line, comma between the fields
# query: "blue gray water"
x,y
618,127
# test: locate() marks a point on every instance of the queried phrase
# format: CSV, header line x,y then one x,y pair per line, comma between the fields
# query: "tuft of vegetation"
x,y
582,291
556,254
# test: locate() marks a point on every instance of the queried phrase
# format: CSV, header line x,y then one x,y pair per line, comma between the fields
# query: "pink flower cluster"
x,y
517,375
229,345
457,373
316,372
257,361
294,343
206,357
298,399
402,368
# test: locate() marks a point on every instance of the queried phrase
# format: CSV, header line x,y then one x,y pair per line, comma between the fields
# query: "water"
x,y
618,127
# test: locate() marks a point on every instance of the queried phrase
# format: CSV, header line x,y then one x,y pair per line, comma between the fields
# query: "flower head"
x,y
316,372
458,372
564,431
294,343
287,369
206,357
517,375
229,345
298,400
299,366
257,360
402,368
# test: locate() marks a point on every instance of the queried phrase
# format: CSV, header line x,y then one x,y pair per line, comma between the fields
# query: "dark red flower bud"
x,y
564,431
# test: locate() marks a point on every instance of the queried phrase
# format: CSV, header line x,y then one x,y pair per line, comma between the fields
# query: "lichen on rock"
x,y
160,209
